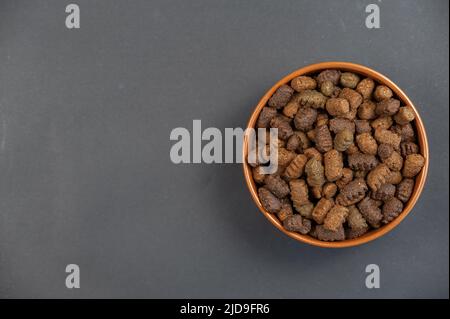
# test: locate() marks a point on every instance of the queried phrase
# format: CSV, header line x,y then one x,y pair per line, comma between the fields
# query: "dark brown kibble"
x,y
391,209
281,96
266,115
408,148
362,162
388,107
384,151
354,98
284,128
285,211
305,118
324,141
405,189
327,235
339,124
363,126
329,75
276,185
352,193
370,211
349,80
298,224
384,193
406,132
269,201
312,98
293,143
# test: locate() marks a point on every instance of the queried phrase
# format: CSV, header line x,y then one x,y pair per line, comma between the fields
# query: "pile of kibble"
x,y
347,155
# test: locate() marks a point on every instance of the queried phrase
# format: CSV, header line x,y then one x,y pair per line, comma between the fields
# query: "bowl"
x,y
421,136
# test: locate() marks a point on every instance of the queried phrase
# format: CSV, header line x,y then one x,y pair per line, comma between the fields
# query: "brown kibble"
x,y
354,98
383,122
347,177
335,218
351,233
367,144
352,149
413,165
360,174
323,139
391,209
378,176
285,156
362,162
352,193
365,88
343,140
276,185
296,167
322,119
291,108
316,192
269,201
281,96
315,173
299,192
312,98
284,128
329,75
337,106
266,115
306,210
312,152
394,162
405,189
367,111
334,164
293,143
405,115
408,148
304,140
257,175
329,190
296,223
406,132
388,107
355,220
285,211
384,151
384,192
394,178
349,80
327,88
382,92
321,210
327,235
302,82
311,134
363,126
339,124
305,118
388,137
370,211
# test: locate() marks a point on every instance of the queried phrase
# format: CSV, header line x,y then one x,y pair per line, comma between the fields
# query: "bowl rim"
x,y
421,136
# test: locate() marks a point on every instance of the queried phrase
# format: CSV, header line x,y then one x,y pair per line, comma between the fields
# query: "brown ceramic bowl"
x,y
421,135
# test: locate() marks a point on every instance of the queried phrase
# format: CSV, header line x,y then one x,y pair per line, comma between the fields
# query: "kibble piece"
x,y
323,139
378,176
413,165
311,134
285,156
257,175
360,174
269,201
293,143
296,167
337,106
339,124
297,224
306,210
382,122
351,233
312,98
408,148
316,192
394,162
405,189
388,107
276,185
281,96
384,192
384,151
335,218
367,110
354,98
329,190
352,149
266,115
371,212
299,192
382,92
351,115
291,108
327,88
336,92
321,210
312,152
367,144
362,162
391,209
406,132
305,118
285,211
322,119
405,115
349,80
352,193
363,126
321,233
329,75
365,88
302,82
388,137
394,178
343,140
347,177
355,220
315,173
284,128
334,164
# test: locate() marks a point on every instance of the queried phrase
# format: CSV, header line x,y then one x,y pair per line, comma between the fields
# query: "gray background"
x,y
85,174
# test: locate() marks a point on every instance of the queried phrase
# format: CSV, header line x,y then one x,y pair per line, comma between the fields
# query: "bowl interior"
x,y
421,137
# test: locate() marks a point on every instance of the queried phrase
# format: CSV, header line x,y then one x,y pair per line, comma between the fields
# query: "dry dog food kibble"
x,y
347,157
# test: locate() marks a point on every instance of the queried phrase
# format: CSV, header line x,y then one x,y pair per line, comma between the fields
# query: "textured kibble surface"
x,y
348,155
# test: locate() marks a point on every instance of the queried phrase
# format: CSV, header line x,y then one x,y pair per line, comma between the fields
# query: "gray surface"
x,y
85,118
